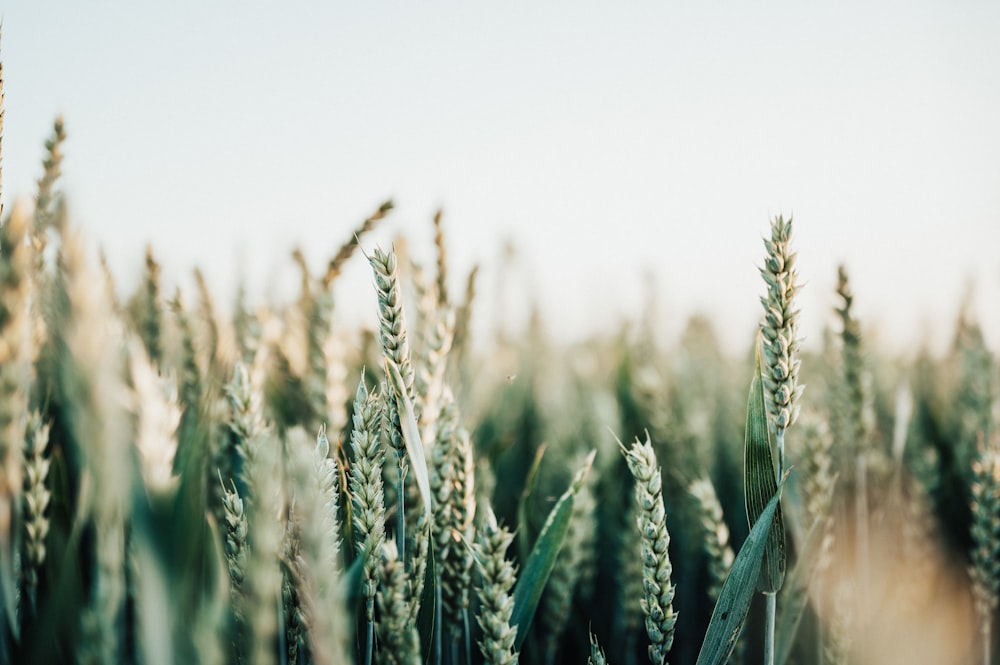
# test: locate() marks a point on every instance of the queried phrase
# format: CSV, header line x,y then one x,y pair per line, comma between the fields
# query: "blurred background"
x,y
611,154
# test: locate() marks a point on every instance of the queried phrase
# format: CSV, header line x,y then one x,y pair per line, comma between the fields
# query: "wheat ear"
x,y
497,577
398,633
339,260
715,535
779,330
596,652
36,501
367,499
985,568
658,592
15,368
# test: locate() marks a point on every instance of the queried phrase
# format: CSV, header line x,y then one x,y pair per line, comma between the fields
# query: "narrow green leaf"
x,y
534,575
524,540
734,600
411,434
7,592
428,603
760,484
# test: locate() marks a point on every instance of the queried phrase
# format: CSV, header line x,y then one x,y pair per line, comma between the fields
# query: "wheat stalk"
x,y
246,423
985,567
367,498
596,652
658,591
191,378
429,379
263,579
15,362
219,335
313,561
779,330
854,424
976,389
463,319
397,632
453,487
715,535
497,577
442,259
158,415
339,260
149,315
780,369
392,335
48,202
36,502
91,384
235,520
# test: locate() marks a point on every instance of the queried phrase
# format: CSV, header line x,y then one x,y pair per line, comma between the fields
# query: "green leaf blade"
x,y
760,484
538,567
737,591
411,434
523,506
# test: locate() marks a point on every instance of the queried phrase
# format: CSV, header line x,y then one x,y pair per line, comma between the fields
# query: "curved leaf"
x,y
534,575
760,484
734,600
411,434
523,528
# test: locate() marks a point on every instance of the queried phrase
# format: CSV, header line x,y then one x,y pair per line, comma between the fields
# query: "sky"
x,y
605,141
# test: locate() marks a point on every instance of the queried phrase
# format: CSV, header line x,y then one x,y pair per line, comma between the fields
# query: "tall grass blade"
x,y
411,434
734,601
760,484
534,575
428,629
524,541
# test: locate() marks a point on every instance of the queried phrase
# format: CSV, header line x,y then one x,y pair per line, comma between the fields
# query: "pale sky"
x,y
604,139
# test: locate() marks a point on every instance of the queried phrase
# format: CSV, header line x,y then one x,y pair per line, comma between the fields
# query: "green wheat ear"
x,y
779,332
596,652
715,535
497,577
658,591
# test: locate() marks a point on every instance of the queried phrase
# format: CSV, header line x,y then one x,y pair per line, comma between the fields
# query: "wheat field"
x,y
186,479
